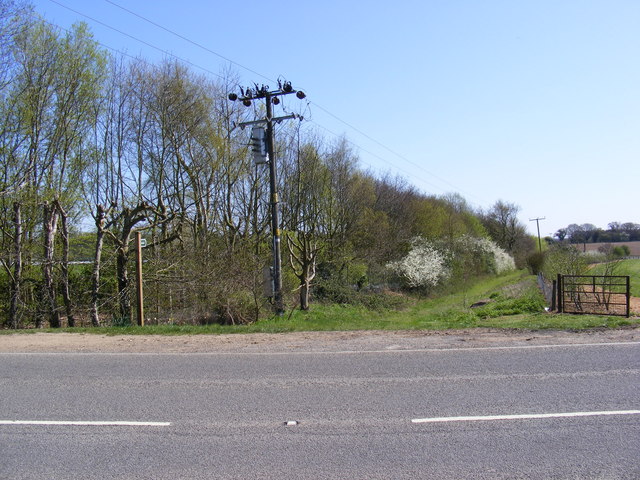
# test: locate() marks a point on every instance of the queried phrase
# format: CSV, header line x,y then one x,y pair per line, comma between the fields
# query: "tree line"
x,y
588,233
96,147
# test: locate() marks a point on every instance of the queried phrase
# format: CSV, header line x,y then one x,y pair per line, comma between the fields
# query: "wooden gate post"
x,y
139,279
560,294
628,296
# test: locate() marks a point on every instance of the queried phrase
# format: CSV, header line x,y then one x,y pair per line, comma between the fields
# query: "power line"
x,y
162,27
372,154
186,39
133,38
206,49
349,125
385,147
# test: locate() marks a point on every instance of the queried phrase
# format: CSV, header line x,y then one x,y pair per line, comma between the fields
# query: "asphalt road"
x,y
353,415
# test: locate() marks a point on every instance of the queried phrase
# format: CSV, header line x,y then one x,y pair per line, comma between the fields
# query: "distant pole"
x,y
139,279
537,220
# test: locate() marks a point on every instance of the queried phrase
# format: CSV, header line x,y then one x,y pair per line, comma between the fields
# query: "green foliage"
x,y
563,259
82,246
331,292
121,322
529,302
535,262
503,226
515,303
621,251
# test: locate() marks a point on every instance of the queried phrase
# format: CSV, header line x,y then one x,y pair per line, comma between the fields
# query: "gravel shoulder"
x,y
357,341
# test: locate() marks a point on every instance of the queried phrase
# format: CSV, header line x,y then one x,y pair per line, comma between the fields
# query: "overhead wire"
x,y
371,153
226,59
383,145
207,49
188,40
144,42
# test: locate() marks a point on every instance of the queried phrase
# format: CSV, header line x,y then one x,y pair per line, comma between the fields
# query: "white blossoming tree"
x,y
501,260
476,255
428,264
424,266
504,261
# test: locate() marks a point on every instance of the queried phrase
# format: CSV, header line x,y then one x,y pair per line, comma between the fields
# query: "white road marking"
x,y
524,416
85,423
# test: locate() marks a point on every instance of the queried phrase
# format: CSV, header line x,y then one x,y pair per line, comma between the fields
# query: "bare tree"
x,y
307,182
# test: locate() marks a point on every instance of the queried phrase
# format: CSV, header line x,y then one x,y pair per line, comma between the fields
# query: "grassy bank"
x,y
509,301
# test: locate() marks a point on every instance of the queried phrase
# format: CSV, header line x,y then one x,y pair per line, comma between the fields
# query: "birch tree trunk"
x,y
97,264
49,229
16,278
66,296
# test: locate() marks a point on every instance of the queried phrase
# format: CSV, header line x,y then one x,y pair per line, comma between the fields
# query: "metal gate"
x,y
594,294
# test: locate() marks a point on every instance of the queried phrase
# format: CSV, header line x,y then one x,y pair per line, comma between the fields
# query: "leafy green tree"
x,y
563,259
57,81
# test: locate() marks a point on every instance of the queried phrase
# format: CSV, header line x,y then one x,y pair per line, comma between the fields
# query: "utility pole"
x,y
139,292
271,97
537,220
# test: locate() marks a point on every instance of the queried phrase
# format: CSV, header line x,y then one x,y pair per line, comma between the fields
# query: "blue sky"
x,y
535,102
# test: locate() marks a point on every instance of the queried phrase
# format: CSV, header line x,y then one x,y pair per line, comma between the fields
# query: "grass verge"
x,y
510,302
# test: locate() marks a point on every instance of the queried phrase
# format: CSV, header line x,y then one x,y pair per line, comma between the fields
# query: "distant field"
x,y
625,267
634,247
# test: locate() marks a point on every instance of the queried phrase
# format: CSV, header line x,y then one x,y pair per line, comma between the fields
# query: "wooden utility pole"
x,y
275,220
537,220
271,97
139,279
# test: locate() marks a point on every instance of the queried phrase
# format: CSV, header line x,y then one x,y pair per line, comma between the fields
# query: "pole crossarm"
x,y
293,116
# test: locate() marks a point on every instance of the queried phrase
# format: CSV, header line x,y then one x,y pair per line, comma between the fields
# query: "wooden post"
x,y
139,279
628,296
560,294
554,294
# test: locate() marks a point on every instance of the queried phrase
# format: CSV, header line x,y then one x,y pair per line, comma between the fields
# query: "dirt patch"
x,y
360,341
634,306
634,247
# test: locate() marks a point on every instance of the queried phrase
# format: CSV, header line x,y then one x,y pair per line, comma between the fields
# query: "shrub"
x,y
535,262
334,292
424,266
621,251
501,260
429,264
563,259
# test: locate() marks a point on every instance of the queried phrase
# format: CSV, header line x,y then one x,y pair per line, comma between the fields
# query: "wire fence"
x,y
179,288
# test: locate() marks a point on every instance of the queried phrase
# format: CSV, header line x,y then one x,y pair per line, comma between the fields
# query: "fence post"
x,y
554,294
560,294
139,279
628,296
